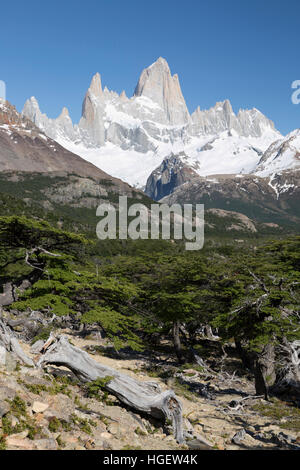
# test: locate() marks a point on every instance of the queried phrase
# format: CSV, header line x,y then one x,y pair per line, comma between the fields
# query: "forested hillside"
x,y
231,308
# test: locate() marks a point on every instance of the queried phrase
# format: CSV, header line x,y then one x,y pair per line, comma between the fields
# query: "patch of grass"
x,y
159,372
18,410
99,385
52,389
17,406
36,388
81,405
140,432
83,424
60,442
183,390
43,334
2,443
194,367
55,425
278,410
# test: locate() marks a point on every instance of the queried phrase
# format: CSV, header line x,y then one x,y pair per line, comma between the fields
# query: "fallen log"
x,y
11,344
145,397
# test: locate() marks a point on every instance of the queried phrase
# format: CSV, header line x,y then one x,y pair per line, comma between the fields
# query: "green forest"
x,y
146,295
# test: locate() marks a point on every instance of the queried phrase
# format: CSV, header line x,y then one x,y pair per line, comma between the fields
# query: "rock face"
x,y
274,200
25,148
247,123
283,154
172,173
157,84
153,142
130,137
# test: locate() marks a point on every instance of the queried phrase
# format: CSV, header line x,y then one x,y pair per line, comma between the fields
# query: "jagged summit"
x,y
221,117
64,113
130,137
96,85
31,107
157,84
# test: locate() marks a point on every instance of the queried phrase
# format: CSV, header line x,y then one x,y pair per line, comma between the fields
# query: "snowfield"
x,y
229,154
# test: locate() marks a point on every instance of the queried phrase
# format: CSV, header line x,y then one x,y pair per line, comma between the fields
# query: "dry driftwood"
x,y
11,344
145,397
288,380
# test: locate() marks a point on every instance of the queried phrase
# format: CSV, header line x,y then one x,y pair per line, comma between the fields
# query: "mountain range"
x,y
129,137
237,162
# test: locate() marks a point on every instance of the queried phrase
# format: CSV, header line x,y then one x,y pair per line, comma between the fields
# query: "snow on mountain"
x,y
130,137
283,154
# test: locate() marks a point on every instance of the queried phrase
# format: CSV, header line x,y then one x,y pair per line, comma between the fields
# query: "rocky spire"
x,y
92,111
157,83
64,113
93,94
31,109
96,86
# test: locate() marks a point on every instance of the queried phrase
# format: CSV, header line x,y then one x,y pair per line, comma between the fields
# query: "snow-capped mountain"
x,y
130,137
25,148
283,154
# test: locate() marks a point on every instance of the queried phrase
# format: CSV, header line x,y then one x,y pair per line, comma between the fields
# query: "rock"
x,y
239,436
90,444
37,346
40,419
105,435
25,444
2,356
157,84
170,439
6,393
10,362
116,430
46,444
199,443
4,408
171,173
39,407
20,435
14,421
190,371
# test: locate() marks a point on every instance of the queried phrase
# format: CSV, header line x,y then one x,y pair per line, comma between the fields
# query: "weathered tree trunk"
x,y
191,355
264,371
288,379
209,333
11,344
145,397
177,341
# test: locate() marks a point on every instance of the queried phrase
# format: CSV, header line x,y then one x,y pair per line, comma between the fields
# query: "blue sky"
x,y
247,51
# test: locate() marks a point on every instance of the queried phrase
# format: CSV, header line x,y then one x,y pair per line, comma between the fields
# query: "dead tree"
x,y
11,344
264,370
288,377
145,397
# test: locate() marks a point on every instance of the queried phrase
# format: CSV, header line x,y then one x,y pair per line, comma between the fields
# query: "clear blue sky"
x,y
244,50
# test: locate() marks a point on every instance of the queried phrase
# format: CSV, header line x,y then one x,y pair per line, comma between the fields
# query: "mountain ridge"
x,y
130,137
